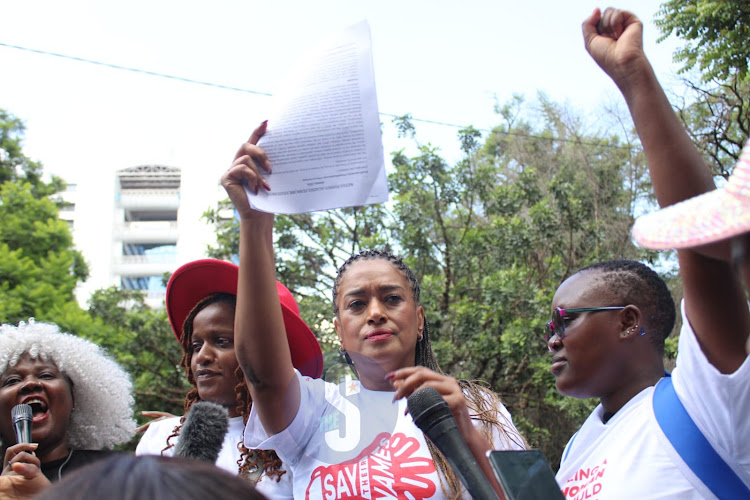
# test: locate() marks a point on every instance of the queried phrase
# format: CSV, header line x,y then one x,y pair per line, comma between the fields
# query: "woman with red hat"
x,y
201,302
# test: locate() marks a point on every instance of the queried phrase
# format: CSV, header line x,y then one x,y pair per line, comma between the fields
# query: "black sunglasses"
x,y
557,325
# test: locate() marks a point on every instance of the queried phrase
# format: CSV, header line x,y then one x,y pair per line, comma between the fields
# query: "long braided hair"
x,y
250,460
481,401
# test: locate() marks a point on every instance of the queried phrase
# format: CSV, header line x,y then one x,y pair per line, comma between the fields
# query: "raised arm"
x,y
714,300
670,153
260,337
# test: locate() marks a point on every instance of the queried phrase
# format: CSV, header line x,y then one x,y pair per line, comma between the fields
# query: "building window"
x,y
146,253
150,284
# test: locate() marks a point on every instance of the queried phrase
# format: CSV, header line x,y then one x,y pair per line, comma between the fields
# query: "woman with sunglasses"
x,y
622,450
354,439
609,324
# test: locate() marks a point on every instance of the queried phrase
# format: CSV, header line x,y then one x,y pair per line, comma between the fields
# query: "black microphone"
x,y
202,434
22,416
433,416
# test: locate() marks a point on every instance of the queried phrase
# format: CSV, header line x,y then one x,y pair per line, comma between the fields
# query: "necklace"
x,y
59,470
253,473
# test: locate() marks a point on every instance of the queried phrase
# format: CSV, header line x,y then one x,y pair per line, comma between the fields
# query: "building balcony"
x,y
149,199
159,259
127,267
147,232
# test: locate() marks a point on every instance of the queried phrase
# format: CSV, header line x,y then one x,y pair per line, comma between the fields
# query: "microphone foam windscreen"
x,y
427,408
202,434
433,416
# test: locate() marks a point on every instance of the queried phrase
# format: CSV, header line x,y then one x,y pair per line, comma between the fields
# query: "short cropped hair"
x,y
102,391
634,283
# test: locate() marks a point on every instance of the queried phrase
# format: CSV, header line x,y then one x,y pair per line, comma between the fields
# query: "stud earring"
x,y
346,357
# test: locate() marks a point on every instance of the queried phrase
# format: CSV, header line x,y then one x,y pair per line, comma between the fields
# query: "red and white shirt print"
x,y
389,469
586,483
347,442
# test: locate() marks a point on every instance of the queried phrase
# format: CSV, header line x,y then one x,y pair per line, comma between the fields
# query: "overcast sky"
x,y
438,60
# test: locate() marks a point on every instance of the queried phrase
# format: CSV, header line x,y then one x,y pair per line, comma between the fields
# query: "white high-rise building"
x,y
148,224
145,232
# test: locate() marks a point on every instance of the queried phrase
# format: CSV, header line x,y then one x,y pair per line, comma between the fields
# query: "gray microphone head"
x,y
202,434
21,412
22,416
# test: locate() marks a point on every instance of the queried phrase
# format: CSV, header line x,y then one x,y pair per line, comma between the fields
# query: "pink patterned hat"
x,y
710,217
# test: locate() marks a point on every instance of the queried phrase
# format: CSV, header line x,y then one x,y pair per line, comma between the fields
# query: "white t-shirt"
x,y
628,457
155,439
350,442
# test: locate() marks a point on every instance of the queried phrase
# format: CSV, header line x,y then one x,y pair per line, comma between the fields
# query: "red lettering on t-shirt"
x,y
585,483
387,469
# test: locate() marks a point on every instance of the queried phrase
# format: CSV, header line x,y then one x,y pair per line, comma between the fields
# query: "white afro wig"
x,y
102,391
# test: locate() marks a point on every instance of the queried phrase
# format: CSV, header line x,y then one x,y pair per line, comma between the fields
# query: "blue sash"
x,y
693,447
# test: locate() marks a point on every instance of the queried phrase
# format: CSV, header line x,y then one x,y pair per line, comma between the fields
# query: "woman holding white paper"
x,y
353,439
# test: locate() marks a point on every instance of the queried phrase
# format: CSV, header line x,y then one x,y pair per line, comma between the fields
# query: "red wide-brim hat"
x,y
198,279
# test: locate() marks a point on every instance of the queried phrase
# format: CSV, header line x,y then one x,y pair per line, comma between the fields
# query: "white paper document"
x,y
323,139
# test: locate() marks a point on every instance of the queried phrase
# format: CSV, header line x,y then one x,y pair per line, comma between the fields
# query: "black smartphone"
x,y
525,475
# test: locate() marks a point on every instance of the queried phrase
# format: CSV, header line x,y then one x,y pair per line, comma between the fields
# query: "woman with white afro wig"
x,y
80,399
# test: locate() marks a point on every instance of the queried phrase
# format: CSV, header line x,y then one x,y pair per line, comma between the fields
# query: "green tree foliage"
x,y
493,236
717,117
15,166
717,33
716,107
39,267
142,341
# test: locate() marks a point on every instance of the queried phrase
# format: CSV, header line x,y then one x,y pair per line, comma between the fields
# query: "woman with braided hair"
x,y
201,299
484,405
354,439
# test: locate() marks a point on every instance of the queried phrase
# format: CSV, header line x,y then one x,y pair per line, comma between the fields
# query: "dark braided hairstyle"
x,y
482,402
631,282
250,460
